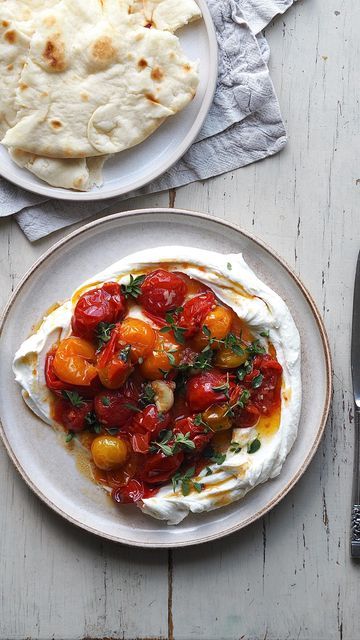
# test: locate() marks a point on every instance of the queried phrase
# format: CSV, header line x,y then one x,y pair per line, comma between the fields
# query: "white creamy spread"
x,y
235,284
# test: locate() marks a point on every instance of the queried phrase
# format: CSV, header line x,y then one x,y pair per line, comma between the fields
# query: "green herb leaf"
x,y
162,444
223,388
92,421
70,436
206,331
73,397
113,431
185,487
255,348
208,471
234,343
265,334
229,266
103,333
244,370
183,441
219,458
124,354
165,329
133,288
257,381
235,447
254,446
171,357
105,400
148,396
132,407
198,486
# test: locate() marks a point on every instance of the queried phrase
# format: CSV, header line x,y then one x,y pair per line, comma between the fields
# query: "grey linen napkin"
x,y
244,123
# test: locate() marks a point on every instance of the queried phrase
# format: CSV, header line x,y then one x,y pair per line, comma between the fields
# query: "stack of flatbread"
x,y
82,79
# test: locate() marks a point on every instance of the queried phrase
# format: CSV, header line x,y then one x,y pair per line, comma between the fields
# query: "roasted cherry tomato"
x,y
74,361
106,304
199,434
111,409
115,373
266,397
162,359
133,491
194,313
226,358
247,417
149,419
162,291
217,417
73,418
159,467
218,322
204,390
109,452
139,335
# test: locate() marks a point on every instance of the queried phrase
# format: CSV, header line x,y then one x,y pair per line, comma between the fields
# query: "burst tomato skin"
x,y
194,312
146,426
149,419
162,291
200,392
133,491
159,468
198,435
73,418
106,304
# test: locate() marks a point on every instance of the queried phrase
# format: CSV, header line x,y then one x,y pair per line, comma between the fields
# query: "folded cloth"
x,y
244,123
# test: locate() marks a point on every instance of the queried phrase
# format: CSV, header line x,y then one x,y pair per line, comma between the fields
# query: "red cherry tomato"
x,y
140,442
111,409
162,291
149,419
267,396
247,417
200,392
133,491
106,304
159,468
73,418
197,434
194,313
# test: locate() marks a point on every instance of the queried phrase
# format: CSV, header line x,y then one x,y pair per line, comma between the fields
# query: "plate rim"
x,y
190,214
93,195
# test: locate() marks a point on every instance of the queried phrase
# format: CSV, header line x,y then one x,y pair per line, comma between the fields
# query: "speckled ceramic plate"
x,y
38,454
134,168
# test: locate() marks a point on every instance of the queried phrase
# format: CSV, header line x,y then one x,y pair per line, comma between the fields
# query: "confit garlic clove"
x,y
164,395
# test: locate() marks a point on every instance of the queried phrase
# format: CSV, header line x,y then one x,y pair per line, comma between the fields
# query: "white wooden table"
x,y
289,575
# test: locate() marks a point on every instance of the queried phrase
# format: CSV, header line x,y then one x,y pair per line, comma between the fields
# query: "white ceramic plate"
x,y
134,168
35,448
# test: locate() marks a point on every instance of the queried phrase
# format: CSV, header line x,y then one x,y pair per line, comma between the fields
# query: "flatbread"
x,y
80,174
90,87
86,78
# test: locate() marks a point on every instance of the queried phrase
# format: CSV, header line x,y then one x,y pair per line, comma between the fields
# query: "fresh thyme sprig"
x,y
133,288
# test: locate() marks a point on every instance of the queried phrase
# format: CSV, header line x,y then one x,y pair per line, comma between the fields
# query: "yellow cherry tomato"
x,y
225,358
215,417
109,452
218,321
140,335
163,358
74,361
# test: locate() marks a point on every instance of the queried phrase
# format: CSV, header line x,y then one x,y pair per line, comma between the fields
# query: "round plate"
x,y
141,164
44,463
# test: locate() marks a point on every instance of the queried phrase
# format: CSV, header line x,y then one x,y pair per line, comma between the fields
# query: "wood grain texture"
x,y
288,576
